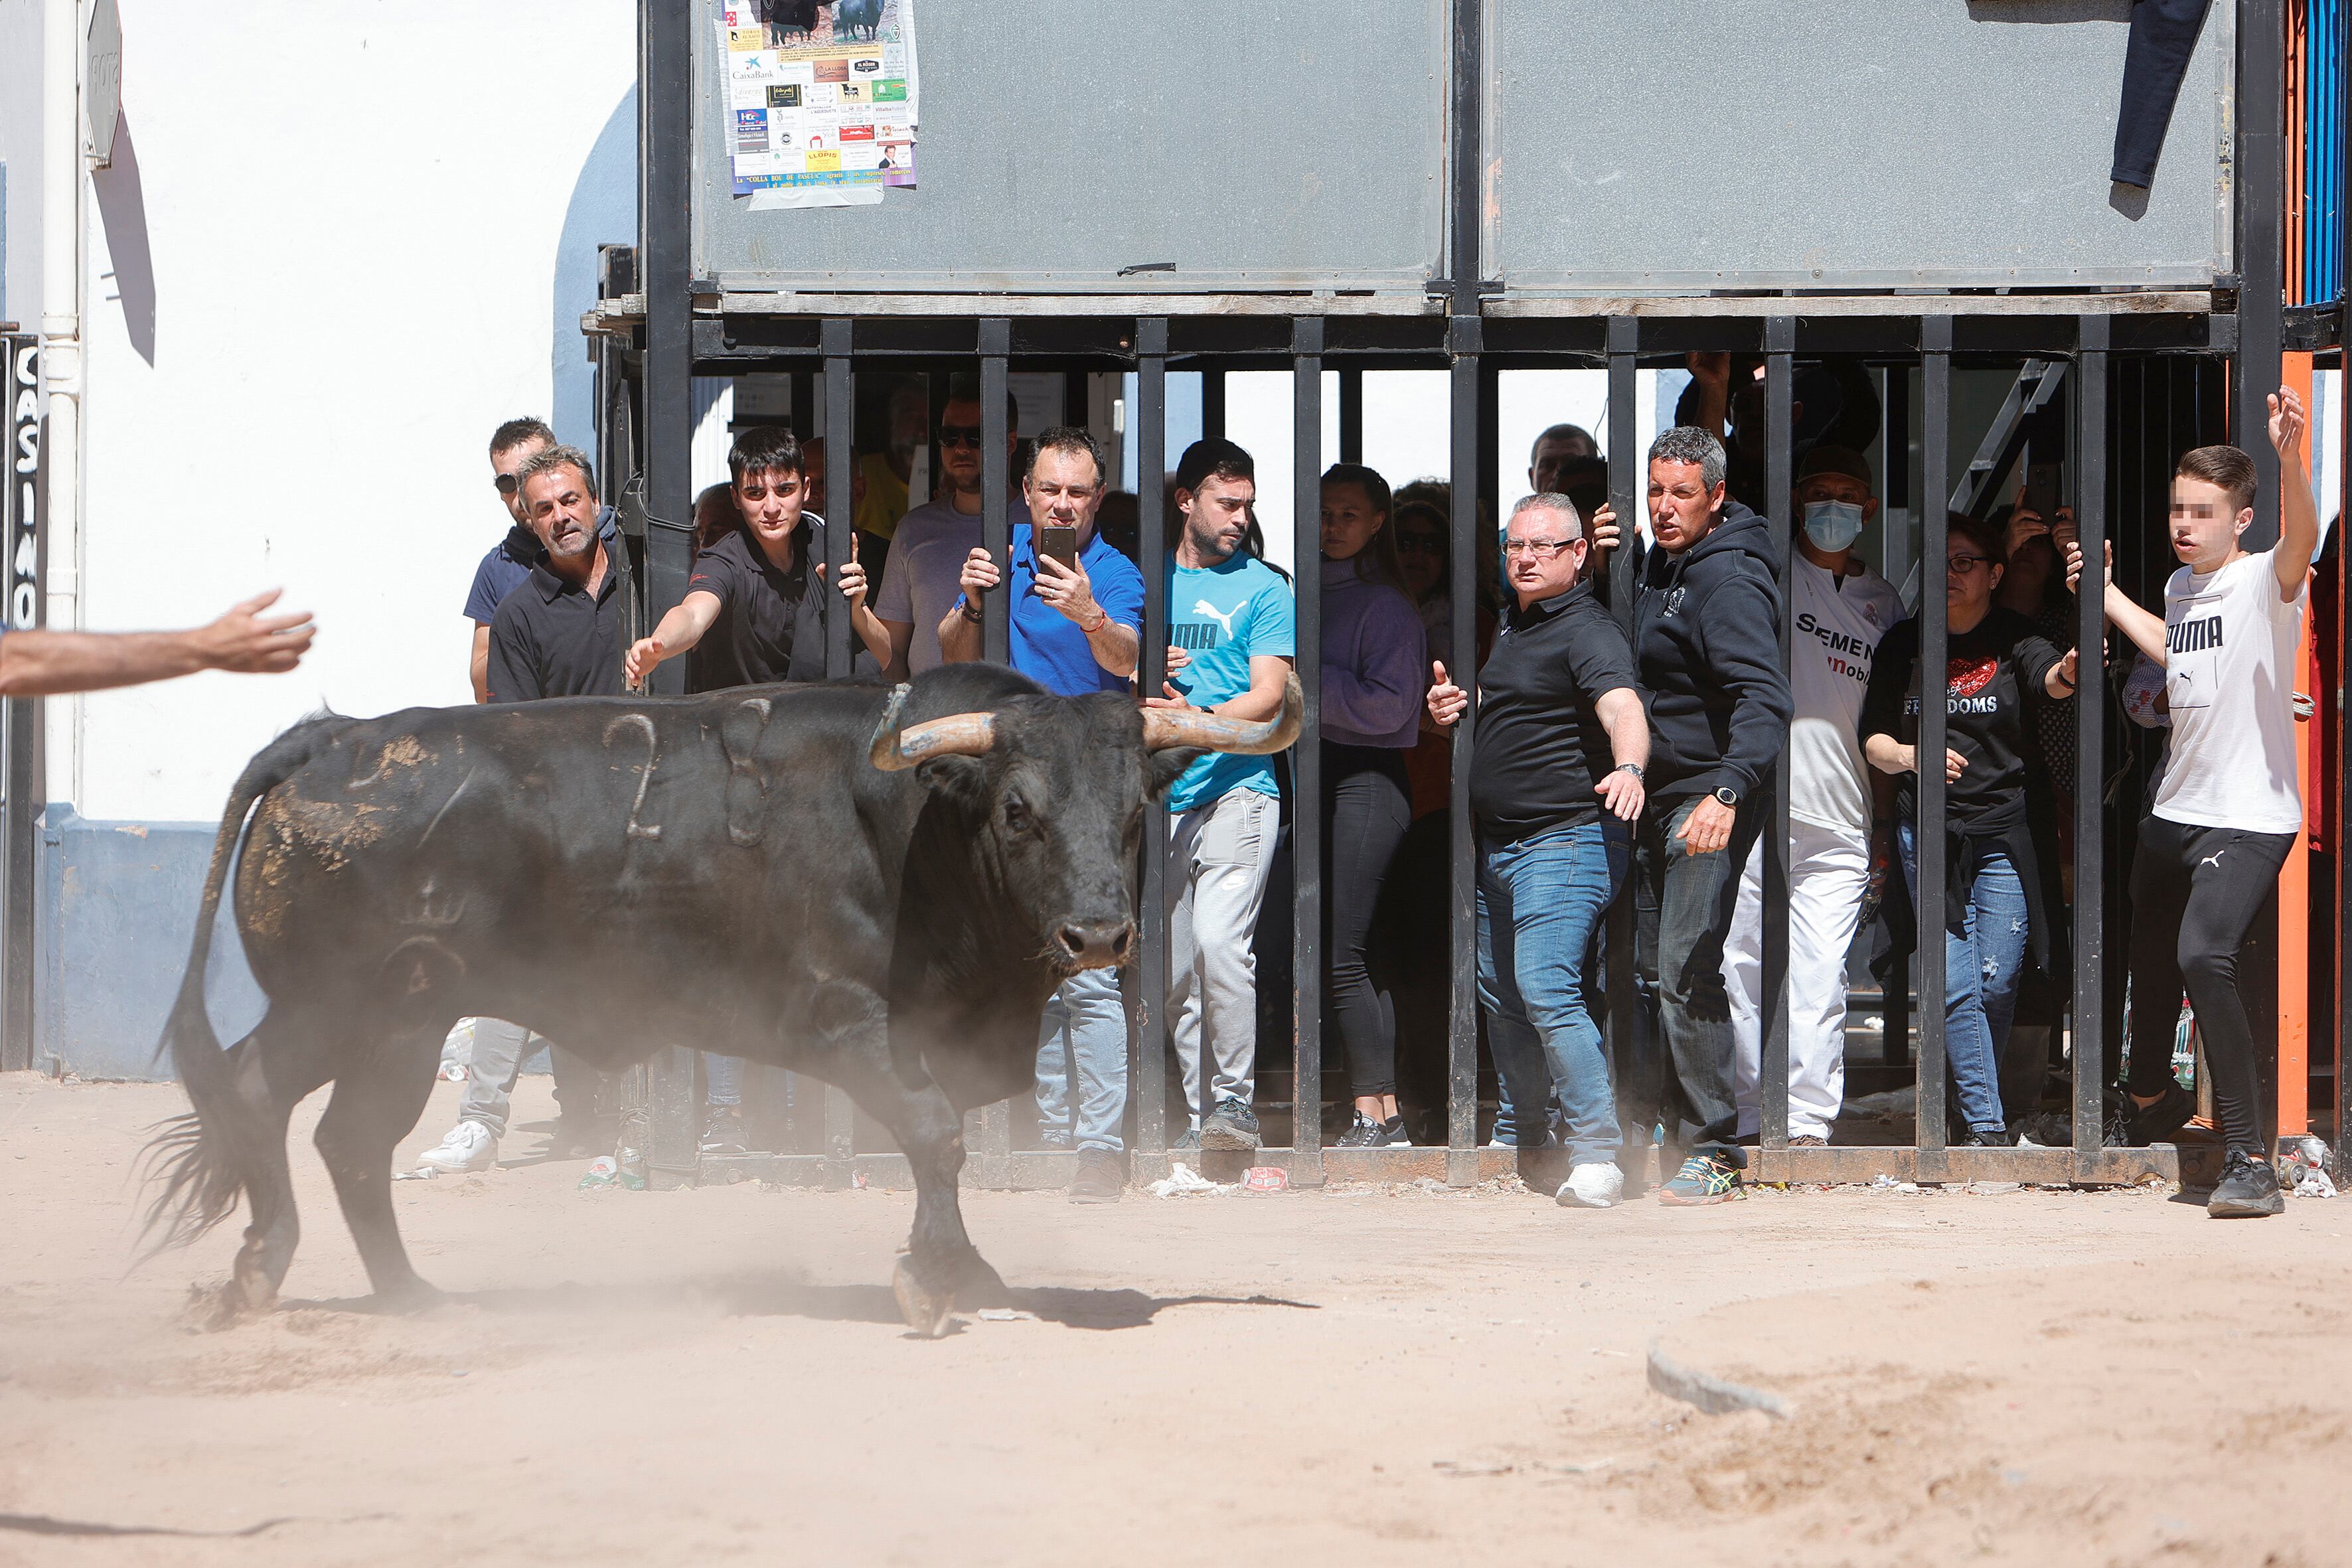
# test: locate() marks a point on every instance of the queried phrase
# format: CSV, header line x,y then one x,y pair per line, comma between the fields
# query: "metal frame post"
x,y
666,157
1628,487
996,523
1213,405
2259,171
1780,433
1935,435
840,433
2342,1027
1351,414
1149,1078
1462,669
1305,758
20,535
2090,744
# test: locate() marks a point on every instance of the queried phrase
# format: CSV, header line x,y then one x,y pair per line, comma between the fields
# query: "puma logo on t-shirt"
x,y
2193,636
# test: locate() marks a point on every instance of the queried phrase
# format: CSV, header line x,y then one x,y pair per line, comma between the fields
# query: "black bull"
x,y
878,889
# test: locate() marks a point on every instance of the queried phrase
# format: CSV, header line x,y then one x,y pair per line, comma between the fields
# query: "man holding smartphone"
x,y
1077,606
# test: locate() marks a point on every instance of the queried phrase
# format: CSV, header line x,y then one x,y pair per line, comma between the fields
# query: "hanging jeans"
x,y
2163,36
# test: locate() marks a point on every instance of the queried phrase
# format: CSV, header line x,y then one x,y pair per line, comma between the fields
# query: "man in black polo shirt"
x,y
562,633
1561,735
750,615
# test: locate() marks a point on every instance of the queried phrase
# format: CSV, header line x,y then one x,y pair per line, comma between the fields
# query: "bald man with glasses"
x,y
1555,786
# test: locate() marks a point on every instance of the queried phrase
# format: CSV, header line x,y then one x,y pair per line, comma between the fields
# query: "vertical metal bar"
x,y
1780,434
21,717
1307,759
995,526
666,133
2260,180
1351,414
1936,341
1150,1078
1898,513
840,435
2342,987
804,425
2090,741
1628,492
1460,658
1213,405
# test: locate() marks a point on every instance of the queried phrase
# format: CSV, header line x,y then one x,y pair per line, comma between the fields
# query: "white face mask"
x,y
1832,525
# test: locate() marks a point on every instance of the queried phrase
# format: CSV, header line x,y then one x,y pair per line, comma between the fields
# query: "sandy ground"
x,y
1360,1376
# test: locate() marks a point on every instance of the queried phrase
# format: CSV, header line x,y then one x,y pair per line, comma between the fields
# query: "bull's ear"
x,y
1160,768
961,778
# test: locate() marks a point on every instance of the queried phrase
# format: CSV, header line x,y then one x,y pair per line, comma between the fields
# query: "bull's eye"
x,y
1017,815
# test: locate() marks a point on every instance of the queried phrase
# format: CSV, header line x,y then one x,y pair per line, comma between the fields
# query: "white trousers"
x,y
1218,859
1828,871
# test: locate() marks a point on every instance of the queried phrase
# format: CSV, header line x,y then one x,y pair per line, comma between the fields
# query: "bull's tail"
x,y
198,1161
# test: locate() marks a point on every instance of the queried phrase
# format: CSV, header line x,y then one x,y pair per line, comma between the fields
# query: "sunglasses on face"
x,y
1961,565
1420,544
507,484
958,436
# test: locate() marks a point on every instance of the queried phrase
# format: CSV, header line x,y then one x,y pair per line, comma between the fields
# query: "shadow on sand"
x,y
779,1294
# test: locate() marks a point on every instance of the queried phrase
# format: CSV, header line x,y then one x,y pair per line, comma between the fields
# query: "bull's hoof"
x,y
925,1310
982,1285
212,1308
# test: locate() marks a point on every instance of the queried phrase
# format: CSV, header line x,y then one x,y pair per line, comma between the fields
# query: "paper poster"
x,y
823,98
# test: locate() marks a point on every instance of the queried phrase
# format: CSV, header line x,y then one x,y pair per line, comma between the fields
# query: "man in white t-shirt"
x,y
1842,610
921,581
2229,807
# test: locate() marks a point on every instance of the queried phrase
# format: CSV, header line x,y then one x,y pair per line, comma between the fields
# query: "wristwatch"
x,y
1727,798
1633,768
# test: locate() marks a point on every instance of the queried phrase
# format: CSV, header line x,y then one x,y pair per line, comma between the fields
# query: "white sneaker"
x,y
469,1147
1595,1185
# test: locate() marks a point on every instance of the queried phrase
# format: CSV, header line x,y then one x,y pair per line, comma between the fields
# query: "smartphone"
x,y
1060,542
2042,490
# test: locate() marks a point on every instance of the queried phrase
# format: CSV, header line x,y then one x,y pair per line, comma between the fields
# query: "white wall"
x,y
20,151
339,245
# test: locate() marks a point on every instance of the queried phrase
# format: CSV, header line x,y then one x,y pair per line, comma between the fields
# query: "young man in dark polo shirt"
x,y
1555,779
753,613
562,633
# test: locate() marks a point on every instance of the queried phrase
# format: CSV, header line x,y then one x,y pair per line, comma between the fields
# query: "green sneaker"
x,y
1704,1178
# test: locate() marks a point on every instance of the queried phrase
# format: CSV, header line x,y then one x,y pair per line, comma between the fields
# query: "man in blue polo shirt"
x,y
1231,632
1073,630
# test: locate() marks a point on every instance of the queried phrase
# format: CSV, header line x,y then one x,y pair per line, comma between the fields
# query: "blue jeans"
x,y
1981,968
1086,1028
1538,902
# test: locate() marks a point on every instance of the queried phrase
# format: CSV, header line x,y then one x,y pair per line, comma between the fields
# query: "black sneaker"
x,y
1231,1125
722,1132
2249,1189
1368,1133
2159,1123
1986,1138
1101,1178
1054,1141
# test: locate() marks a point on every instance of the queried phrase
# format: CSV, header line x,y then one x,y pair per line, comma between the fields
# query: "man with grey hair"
x,y
1707,617
1555,783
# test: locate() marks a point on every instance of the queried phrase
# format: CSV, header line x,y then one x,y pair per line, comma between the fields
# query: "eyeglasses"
x,y
1961,565
1420,544
958,436
1538,549
508,484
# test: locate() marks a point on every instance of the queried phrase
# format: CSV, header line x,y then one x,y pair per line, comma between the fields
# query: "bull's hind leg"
x,y
375,1105
274,1068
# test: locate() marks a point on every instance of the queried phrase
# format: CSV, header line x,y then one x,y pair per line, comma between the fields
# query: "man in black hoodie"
x,y
1707,617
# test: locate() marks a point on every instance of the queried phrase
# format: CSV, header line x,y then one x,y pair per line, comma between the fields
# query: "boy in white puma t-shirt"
x,y
2229,807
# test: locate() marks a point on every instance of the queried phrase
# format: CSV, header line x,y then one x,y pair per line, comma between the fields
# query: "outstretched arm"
x,y
679,630
49,664
2298,513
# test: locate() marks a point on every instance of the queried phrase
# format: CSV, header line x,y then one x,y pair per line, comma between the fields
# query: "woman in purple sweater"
x,y
1373,685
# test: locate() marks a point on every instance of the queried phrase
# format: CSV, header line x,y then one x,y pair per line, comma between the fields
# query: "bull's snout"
x,y
1102,944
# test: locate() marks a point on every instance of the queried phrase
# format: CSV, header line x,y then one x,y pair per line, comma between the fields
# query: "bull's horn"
x,y
956,736
1167,727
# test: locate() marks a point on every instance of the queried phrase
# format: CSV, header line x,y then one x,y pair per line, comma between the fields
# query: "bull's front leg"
x,y
941,1265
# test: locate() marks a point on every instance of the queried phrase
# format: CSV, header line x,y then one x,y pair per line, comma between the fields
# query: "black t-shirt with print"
x,y
1992,668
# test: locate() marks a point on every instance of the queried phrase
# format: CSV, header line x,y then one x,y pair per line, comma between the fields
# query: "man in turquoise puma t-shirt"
x,y
1231,634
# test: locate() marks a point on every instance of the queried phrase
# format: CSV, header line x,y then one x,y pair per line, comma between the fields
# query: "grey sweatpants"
x,y
500,1050
1218,858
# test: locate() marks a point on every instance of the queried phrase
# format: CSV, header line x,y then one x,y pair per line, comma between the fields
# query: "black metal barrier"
x,y
1474,351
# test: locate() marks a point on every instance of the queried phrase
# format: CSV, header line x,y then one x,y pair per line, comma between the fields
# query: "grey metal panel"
x,y
1864,143
1255,143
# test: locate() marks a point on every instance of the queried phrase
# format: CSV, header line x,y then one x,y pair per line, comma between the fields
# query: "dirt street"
x,y
1356,1376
